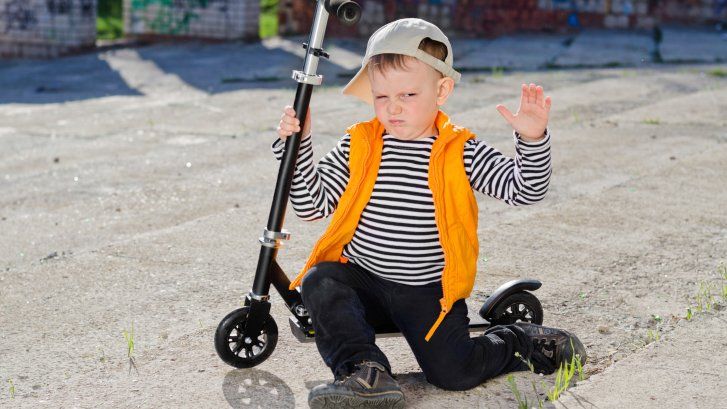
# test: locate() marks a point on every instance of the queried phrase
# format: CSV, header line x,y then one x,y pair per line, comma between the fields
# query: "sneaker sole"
x,y
385,400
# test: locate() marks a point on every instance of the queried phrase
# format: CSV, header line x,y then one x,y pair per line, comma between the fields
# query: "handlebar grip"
x,y
347,11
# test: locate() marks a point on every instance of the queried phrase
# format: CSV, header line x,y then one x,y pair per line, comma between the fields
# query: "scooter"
x,y
247,336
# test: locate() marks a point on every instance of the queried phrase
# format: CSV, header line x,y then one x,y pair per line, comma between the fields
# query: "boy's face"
x,y
406,101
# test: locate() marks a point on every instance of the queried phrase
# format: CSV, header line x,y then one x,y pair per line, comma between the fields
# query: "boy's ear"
x,y
445,86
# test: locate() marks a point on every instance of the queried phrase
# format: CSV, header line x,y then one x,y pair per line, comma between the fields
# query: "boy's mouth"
x,y
396,121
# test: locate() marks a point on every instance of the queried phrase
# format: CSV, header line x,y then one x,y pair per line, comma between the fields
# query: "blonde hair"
x,y
383,62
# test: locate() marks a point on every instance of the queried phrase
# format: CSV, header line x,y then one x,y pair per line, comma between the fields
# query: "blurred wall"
x,y
211,19
496,17
46,28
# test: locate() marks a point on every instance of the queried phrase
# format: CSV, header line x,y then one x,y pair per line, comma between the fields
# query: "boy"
x,y
402,246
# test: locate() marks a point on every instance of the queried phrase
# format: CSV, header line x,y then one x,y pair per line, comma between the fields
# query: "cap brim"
x,y
359,86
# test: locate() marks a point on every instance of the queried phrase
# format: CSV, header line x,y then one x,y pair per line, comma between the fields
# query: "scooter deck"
x,y
305,334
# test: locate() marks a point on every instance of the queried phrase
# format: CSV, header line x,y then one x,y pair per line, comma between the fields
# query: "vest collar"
x,y
447,130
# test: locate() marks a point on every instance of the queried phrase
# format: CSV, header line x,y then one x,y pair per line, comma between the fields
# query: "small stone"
x,y
56,159
604,329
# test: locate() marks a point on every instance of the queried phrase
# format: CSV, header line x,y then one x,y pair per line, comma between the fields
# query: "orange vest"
x,y
455,206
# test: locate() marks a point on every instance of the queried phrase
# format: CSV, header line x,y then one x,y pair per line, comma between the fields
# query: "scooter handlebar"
x,y
347,11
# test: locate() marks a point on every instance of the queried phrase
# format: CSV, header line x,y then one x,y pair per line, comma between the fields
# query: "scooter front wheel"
x,y
240,349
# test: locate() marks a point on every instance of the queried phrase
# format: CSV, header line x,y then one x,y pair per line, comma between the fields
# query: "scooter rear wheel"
x,y
519,307
240,349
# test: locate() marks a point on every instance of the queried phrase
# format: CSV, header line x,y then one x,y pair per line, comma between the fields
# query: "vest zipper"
x,y
333,228
438,193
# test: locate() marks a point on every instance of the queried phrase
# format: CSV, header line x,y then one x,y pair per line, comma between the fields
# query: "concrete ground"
x,y
134,183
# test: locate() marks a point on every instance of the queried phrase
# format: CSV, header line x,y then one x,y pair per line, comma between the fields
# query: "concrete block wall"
x,y
210,19
497,17
46,28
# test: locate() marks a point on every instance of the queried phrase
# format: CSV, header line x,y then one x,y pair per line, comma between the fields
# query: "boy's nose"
x,y
393,108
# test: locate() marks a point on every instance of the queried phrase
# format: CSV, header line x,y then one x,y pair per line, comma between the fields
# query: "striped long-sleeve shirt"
x,y
397,236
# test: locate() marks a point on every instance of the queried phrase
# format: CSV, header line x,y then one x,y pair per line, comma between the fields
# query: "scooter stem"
x,y
273,234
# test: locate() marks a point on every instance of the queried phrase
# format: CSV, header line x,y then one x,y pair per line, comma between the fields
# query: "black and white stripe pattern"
x,y
397,236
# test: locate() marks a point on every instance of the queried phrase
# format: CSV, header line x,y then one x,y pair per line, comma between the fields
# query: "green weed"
x,y
563,378
498,72
268,21
705,298
576,117
718,72
652,121
562,381
564,375
652,335
722,271
522,400
129,337
109,20
12,388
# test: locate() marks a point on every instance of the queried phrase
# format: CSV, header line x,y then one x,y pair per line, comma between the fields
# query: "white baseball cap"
x,y
401,37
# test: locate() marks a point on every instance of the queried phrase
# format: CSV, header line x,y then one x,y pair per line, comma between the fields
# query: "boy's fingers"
x,y
532,97
524,94
505,113
539,96
290,120
548,103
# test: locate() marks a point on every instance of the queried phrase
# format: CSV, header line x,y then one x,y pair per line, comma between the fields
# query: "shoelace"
x,y
353,370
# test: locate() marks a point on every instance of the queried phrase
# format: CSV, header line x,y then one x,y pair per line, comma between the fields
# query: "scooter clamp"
x,y
272,238
300,76
256,297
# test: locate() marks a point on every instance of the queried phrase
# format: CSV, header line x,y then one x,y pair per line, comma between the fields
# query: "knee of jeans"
x,y
317,274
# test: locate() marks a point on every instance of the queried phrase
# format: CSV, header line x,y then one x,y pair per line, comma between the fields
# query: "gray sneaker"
x,y
369,386
552,347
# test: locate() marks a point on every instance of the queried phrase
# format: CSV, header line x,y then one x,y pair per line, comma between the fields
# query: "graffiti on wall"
x,y
18,15
173,16
56,7
24,15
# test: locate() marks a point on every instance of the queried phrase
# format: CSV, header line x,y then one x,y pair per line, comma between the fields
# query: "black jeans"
x,y
347,303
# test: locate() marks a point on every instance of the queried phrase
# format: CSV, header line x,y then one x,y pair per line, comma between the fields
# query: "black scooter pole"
x,y
348,12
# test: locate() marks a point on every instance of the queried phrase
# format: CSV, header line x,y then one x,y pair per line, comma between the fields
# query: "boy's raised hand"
x,y
532,115
289,124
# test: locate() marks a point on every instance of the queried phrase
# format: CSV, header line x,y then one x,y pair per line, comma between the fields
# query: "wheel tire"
x,y
243,350
518,307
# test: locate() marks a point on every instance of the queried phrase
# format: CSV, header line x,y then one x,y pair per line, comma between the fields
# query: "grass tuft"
x,y
564,376
706,298
129,337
